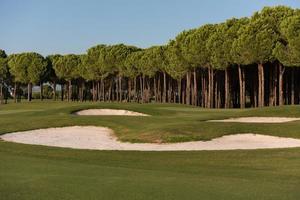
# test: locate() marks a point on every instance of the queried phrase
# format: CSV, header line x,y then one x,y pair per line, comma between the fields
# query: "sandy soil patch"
x,y
109,112
100,138
258,120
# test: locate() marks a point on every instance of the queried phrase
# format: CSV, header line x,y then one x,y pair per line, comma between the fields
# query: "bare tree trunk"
x,y
159,89
82,91
15,92
188,88
144,89
134,89
170,91
183,86
195,88
165,88
110,90
94,91
280,87
293,87
69,90
275,79
102,94
227,97
287,91
261,85
120,89
54,90
29,91
62,92
210,87
179,91
155,85
141,89
159,94
113,89
1,93
98,92
271,86
216,92
117,88
242,86
174,92
203,92
208,103
219,96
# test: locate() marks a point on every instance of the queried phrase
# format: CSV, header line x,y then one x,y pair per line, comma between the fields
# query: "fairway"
x,y
39,172
150,100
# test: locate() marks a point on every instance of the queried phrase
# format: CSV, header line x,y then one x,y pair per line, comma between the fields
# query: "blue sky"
x,y
72,26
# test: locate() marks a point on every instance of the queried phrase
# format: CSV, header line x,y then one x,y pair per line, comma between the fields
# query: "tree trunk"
x,y
188,88
15,92
144,88
292,86
134,89
261,85
271,86
275,79
165,88
29,92
242,86
82,91
179,90
141,89
210,87
120,89
98,91
110,90
280,82
203,90
287,91
62,92
69,89
219,103
93,91
54,90
216,92
41,91
227,97
1,93
159,89
155,89
195,89
170,91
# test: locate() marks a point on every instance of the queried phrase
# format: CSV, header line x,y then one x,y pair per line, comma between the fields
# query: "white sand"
x,y
258,120
91,137
109,112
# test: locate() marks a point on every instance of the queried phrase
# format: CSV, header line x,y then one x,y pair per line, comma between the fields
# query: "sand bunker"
x,y
258,120
109,112
91,137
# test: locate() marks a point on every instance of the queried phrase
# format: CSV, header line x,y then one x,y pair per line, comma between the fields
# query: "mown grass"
x,y
39,172
36,172
167,123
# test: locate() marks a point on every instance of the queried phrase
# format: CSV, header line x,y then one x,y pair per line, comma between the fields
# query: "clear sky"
x,y
72,26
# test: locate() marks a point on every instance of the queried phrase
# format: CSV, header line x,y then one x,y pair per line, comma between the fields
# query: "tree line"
x,y
246,62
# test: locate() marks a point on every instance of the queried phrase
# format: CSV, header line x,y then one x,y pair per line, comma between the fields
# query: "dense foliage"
x,y
240,62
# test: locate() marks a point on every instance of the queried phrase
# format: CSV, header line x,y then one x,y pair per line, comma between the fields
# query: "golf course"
x,y
43,172
150,100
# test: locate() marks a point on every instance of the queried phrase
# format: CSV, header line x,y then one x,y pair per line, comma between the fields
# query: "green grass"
x,y
167,123
38,172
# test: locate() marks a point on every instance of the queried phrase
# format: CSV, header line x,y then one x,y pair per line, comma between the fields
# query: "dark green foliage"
x,y
268,39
